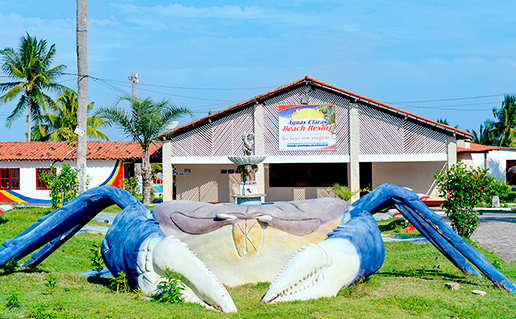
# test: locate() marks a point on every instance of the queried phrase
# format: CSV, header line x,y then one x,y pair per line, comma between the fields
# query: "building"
x,y
501,161
314,135
21,164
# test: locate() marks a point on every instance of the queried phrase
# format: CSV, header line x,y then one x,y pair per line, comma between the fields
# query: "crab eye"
x,y
264,219
222,216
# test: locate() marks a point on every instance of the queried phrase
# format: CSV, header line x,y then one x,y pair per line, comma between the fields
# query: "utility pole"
x,y
82,92
134,79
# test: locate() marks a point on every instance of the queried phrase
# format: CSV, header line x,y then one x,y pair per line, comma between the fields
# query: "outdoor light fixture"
x,y
304,100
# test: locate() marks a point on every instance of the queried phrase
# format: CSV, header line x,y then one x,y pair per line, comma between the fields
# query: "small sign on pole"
x,y
80,131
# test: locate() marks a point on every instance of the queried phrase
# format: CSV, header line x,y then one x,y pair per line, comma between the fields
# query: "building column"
x,y
259,146
168,178
354,151
452,150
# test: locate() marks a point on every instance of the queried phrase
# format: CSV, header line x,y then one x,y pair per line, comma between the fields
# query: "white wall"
x,y
98,171
28,177
496,162
416,175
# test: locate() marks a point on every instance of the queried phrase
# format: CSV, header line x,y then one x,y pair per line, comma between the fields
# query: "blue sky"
x,y
208,55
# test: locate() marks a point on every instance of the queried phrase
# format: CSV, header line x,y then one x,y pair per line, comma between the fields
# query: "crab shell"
x,y
248,244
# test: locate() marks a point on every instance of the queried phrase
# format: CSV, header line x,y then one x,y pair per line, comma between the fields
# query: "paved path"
x,y
498,233
103,218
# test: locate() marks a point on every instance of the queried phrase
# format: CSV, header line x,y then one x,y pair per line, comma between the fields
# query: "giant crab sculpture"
x,y
145,244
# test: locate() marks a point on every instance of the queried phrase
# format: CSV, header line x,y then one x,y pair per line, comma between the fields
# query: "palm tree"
x,y
143,123
485,135
30,69
60,125
443,121
505,122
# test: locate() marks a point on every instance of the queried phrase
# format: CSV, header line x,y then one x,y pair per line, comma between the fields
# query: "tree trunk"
x,y
146,174
82,91
29,119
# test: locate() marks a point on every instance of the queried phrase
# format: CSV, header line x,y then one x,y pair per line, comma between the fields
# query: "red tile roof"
x,y
309,81
476,148
38,151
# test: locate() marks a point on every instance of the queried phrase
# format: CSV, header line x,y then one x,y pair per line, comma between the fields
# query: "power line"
x,y
489,105
110,84
450,99
107,83
200,88
188,97
111,87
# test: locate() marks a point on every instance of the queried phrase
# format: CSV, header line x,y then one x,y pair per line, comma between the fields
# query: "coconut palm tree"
x,y
485,135
60,125
445,122
30,69
505,122
143,123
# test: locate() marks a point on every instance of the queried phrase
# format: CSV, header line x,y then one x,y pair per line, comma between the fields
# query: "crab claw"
x,y
316,271
160,254
353,251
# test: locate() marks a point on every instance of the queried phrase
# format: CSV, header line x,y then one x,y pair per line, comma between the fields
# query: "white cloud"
x,y
180,11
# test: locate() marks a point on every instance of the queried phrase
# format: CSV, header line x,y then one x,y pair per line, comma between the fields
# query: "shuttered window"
x,y
9,178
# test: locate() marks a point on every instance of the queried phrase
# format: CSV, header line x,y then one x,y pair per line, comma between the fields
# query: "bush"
x,y
464,187
131,185
119,283
500,189
97,262
64,185
343,192
170,288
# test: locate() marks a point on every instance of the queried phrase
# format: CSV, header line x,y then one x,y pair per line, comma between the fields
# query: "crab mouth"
x,y
315,271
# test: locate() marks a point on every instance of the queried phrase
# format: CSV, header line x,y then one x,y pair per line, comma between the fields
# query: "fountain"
x,y
247,167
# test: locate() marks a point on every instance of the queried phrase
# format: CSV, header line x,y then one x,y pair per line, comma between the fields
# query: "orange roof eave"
x,y
307,80
477,148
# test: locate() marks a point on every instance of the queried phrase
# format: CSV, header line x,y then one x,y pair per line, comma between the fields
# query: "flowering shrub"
x,y
464,188
64,185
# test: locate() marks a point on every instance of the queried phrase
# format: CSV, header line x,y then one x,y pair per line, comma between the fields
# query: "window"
x,y
308,175
511,172
9,178
39,182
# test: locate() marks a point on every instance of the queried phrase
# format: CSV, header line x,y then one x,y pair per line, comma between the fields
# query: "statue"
x,y
248,146
143,245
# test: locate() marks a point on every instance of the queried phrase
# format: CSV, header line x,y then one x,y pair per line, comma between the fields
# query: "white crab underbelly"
x,y
238,256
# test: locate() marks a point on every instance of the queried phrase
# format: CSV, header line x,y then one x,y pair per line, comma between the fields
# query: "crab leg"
x,y
317,270
443,246
134,244
57,227
438,228
434,229
387,195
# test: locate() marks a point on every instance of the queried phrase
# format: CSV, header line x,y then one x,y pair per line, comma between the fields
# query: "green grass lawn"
x,y
409,285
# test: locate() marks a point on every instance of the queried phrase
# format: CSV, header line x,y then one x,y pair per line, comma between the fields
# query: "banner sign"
x,y
307,127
